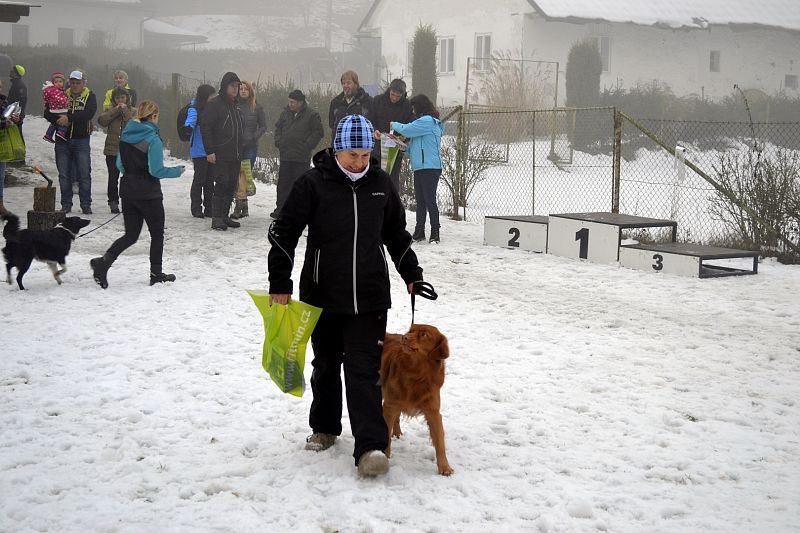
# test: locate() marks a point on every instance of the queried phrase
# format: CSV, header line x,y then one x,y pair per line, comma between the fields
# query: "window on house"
x,y
410,54
483,51
446,55
604,47
20,35
66,37
790,81
713,61
95,39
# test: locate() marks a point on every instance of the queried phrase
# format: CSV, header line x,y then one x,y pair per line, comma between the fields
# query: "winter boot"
x,y
373,463
434,235
241,209
197,211
100,266
114,207
226,218
419,234
161,278
217,222
318,442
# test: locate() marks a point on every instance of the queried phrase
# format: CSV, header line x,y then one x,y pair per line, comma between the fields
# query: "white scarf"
x,y
354,176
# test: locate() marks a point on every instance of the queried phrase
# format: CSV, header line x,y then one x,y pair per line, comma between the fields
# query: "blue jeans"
x,y
73,156
426,182
250,153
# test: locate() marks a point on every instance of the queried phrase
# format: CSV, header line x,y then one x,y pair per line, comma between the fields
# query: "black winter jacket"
x,y
254,124
18,92
384,112
222,126
297,135
345,269
81,112
361,104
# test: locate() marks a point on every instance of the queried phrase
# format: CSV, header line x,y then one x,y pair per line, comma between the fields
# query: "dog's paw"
x,y
445,470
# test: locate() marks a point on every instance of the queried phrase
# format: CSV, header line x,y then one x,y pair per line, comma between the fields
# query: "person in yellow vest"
x,y
120,80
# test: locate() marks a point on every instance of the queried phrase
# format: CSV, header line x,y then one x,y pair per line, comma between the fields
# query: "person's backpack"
x,y
184,132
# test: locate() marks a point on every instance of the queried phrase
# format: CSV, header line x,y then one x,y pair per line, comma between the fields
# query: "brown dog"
x,y
412,374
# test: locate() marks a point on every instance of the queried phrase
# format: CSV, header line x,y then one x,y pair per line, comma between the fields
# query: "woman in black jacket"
x,y
352,212
254,121
141,162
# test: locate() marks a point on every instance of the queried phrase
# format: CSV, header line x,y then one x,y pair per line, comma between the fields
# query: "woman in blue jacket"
x,y
425,137
202,189
141,162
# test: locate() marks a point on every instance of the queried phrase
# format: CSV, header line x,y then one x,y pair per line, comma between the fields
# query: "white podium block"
x,y
523,232
594,236
683,259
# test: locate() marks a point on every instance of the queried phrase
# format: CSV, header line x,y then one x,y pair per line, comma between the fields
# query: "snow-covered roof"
x,y
676,13
165,28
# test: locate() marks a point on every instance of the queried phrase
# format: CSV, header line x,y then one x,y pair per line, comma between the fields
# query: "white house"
x,y
99,23
696,47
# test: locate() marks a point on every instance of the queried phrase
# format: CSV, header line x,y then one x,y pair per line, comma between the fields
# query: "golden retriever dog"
x,y
412,374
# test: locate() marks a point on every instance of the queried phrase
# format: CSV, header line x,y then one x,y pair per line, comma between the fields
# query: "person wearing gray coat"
x,y
297,133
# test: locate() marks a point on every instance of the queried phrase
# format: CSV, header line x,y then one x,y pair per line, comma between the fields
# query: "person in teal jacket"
x,y
424,137
141,162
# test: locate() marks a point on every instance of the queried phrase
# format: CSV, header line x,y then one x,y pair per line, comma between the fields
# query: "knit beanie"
x,y
57,74
20,70
297,95
354,132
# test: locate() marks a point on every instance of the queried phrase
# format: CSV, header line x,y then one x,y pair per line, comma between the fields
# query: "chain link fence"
x,y
725,183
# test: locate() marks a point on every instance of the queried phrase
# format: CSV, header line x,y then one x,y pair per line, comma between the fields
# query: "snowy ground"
x,y
579,397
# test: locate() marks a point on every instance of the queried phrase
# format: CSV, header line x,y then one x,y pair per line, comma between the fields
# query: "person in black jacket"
x,y
73,154
297,133
141,161
352,212
222,128
18,92
353,100
391,106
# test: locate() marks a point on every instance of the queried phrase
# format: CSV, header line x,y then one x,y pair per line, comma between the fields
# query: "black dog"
x,y
51,246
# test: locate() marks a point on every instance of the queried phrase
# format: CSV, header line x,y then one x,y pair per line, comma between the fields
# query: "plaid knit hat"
x,y
354,132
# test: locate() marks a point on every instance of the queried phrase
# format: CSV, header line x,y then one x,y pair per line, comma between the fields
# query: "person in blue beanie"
x,y
354,215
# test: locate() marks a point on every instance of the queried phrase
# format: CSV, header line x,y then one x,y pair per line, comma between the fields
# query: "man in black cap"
x,y
297,133
222,128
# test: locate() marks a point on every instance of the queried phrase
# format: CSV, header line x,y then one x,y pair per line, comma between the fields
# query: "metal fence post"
x,y
533,166
617,154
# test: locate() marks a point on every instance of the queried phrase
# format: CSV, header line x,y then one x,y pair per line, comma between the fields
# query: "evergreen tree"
x,y
582,80
424,77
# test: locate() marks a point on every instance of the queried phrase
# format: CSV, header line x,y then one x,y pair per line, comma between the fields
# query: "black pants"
x,y
135,213
356,341
395,173
226,177
288,172
202,189
113,178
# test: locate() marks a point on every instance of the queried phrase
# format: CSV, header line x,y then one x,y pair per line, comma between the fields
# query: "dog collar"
x,y
59,226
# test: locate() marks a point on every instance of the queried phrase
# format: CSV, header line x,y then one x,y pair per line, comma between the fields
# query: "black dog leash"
x,y
423,289
98,227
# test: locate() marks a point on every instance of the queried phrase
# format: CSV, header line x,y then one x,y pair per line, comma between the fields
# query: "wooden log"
x,y
44,220
44,199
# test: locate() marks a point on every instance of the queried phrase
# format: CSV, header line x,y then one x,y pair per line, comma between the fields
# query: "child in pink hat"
x,y
56,100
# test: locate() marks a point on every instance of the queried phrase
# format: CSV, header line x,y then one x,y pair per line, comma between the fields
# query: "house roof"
x,y
675,13
13,11
164,29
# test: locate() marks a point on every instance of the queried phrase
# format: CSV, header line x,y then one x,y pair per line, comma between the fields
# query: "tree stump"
x,y
44,216
44,199
40,220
